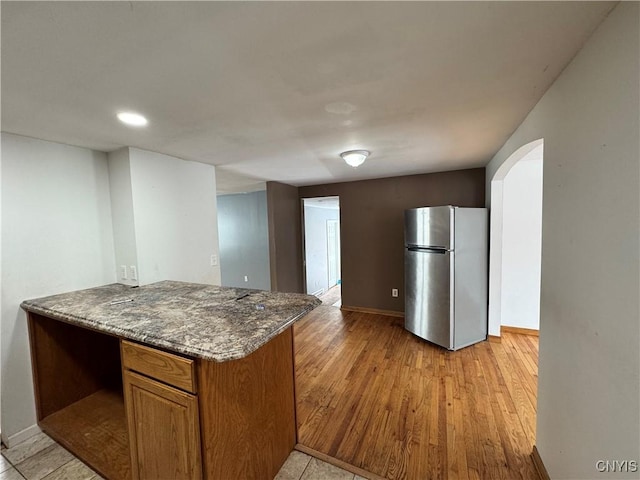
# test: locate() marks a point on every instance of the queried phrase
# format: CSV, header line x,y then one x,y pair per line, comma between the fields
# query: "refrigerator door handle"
x,y
440,251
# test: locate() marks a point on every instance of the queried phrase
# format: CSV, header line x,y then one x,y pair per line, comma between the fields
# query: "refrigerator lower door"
x,y
428,295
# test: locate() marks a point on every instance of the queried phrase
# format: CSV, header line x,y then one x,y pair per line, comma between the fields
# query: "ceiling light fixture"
x,y
132,119
355,158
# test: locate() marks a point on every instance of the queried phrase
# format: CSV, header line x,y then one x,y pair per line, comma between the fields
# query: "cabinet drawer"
x,y
166,367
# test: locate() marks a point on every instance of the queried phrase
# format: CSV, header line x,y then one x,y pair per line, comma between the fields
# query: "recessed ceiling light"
x,y
132,119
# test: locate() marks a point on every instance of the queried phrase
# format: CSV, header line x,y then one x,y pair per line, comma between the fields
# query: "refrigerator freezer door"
x,y
429,226
428,295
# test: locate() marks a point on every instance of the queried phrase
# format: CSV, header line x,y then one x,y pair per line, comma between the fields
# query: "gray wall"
x,y
315,246
589,374
244,240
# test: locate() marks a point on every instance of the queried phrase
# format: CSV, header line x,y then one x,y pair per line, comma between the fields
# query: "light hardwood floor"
x,y
332,297
374,396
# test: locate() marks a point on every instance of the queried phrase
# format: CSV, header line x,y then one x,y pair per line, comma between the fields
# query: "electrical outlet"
x,y
214,260
246,278
134,272
123,272
394,292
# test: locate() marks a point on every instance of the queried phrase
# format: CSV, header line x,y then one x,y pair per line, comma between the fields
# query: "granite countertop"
x,y
202,321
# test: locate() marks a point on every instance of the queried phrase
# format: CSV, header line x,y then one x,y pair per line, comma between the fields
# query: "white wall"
x,y
589,374
56,237
522,242
164,217
124,230
176,226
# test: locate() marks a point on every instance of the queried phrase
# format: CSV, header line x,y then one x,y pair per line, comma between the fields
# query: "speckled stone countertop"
x,y
202,321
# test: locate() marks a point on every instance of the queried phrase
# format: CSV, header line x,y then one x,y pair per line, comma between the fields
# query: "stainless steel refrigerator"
x,y
445,267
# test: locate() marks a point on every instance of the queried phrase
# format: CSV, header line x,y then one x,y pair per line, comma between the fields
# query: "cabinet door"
x,y
163,430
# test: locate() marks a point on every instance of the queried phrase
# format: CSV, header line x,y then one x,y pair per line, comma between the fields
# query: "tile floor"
x,y
300,466
40,458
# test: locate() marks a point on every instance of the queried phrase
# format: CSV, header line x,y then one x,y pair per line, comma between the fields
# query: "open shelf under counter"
x,y
79,398
96,420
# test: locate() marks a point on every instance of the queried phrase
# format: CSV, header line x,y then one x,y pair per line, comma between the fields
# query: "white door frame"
x,y
333,247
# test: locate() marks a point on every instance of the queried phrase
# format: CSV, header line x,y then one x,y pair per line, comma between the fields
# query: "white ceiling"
x,y
275,91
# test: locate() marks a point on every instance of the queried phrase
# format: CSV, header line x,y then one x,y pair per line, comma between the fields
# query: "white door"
x,y
333,252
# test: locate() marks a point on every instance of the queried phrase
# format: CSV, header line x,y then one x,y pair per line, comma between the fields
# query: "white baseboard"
x,y
21,436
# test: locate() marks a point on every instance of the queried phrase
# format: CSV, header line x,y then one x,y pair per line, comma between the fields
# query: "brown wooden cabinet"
x,y
162,413
132,411
163,430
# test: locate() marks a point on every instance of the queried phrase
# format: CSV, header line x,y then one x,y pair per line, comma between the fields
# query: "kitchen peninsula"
x,y
168,380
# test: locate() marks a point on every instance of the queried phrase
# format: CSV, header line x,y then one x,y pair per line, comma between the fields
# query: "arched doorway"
x,y
499,213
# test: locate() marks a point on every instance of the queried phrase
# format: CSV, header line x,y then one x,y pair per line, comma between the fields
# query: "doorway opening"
x,y
516,238
321,227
